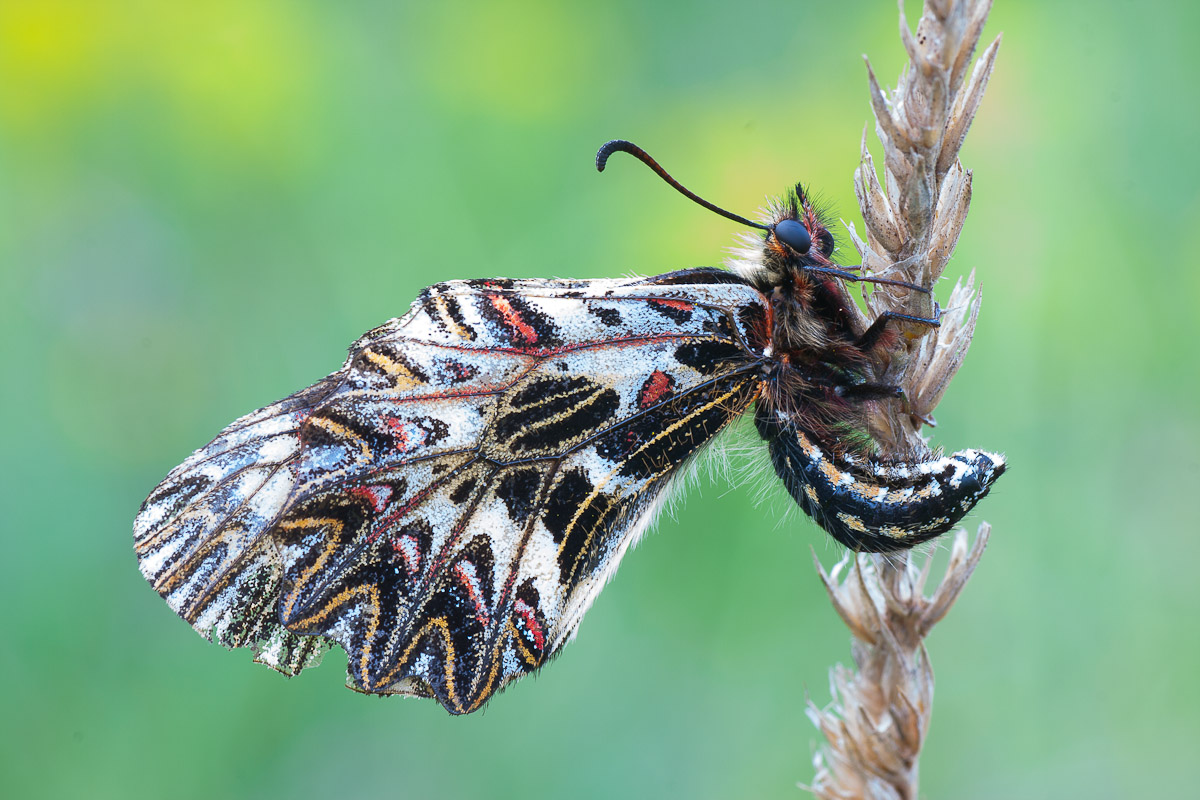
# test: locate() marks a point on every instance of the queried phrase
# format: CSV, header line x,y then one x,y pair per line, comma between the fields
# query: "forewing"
x,y
470,479
204,536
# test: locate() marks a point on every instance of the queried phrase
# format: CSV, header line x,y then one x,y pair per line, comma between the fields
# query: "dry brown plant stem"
x,y
880,713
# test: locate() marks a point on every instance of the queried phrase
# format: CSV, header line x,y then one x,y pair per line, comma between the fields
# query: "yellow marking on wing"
x,y
457,329
338,429
596,491
444,628
306,522
486,689
370,610
306,576
524,652
170,527
589,397
373,626
402,376
163,534
168,581
171,580
451,685
341,599
510,632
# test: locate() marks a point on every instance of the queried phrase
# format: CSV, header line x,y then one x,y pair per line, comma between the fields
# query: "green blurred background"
x,y
203,204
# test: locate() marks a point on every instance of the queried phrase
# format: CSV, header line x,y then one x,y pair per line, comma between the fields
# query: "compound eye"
x,y
794,235
825,243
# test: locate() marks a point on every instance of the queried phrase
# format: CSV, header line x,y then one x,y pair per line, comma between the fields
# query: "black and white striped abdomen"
x,y
875,507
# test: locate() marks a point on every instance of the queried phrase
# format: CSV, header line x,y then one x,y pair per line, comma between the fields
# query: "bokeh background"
x,y
203,204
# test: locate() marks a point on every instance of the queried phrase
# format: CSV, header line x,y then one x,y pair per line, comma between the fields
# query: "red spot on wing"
x,y
400,427
678,305
408,434
409,549
376,495
457,371
385,522
467,576
512,318
657,387
528,616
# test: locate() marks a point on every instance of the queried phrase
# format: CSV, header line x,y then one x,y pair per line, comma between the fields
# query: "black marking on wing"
x,y
609,316
709,356
550,411
518,490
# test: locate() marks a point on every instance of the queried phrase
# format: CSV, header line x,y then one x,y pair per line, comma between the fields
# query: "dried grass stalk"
x,y
913,225
877,722
880,712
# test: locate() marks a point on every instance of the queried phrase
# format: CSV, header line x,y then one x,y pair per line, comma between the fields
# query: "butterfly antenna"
x,y
840,272
622,146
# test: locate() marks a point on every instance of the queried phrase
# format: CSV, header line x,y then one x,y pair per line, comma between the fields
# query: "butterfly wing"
x,y
447,505
203,536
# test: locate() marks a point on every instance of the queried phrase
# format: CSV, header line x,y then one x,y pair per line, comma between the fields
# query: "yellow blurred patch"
x,y
224,75
48,57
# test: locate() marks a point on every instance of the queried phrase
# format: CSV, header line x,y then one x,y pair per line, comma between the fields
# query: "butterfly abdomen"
x,y
872,506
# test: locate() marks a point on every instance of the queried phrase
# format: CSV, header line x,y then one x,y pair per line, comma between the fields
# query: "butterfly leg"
x,y
871,336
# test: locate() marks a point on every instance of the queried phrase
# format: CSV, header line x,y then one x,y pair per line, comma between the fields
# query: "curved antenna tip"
x,y
610,147
623,146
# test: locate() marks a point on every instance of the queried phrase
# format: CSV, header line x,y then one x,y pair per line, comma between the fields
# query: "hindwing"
x,y
447,505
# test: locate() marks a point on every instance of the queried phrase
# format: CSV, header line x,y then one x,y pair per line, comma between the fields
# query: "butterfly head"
x,y
799,236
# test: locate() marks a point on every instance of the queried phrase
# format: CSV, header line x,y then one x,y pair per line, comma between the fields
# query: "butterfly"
x,y
448,504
